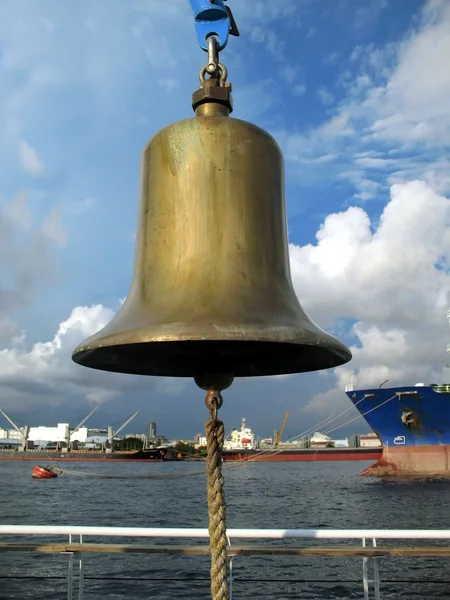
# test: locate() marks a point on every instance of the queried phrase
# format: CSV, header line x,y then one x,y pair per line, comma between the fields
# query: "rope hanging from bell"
x,y
216,497
213,384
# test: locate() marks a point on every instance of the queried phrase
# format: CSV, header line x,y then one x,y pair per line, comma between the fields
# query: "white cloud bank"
x,y
45,373
390,278
394,112
413,105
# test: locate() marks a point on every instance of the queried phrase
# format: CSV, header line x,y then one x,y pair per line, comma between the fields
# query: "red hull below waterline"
x,y
408,461
152,455
80,458
305,455
43,473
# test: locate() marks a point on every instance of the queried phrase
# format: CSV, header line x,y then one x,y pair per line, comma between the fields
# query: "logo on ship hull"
x,y
399,440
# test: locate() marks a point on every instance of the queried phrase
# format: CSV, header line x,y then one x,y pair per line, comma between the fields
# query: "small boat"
x,y
43,473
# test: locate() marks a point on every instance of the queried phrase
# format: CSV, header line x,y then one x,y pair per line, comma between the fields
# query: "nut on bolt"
x,y
212,92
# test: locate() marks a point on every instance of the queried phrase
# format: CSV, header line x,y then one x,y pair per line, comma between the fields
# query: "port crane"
x,y
280,433
112,434
22,432
69,433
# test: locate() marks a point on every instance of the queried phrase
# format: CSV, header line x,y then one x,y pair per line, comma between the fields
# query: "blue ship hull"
x,y
428,421
413,424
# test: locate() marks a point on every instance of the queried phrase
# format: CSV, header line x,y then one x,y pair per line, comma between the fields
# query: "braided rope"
x,y
216,509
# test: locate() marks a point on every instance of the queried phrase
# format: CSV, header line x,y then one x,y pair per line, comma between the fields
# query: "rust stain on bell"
x,y
211,289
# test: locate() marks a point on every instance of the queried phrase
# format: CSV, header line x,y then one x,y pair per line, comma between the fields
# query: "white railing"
x,y
368,548
443,388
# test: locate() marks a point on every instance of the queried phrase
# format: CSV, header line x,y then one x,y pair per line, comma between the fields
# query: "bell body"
x,y
212,289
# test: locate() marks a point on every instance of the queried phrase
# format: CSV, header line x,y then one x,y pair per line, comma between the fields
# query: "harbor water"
x,y
259,495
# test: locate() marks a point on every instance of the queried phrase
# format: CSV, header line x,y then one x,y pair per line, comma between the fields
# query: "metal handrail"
x,y
368,551
193,532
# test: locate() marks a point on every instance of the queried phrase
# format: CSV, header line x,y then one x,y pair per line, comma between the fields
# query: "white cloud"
x,y
352,254
53,228
326,403
368,189
29,159
9,334
324,96
80,207
391,278
264,11
17,212
299,89
47,369
396,102
381,274
101,49
26,262
104,49
413,106
323,141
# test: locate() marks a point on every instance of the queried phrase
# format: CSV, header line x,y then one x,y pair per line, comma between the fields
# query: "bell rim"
x,y
263,359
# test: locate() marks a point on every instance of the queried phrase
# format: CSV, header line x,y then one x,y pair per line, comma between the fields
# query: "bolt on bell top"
x,y
211,289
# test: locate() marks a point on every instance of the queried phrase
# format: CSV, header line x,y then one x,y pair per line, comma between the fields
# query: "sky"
x,y
355,93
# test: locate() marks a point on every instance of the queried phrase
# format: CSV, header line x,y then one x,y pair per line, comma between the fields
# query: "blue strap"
x,y
211,18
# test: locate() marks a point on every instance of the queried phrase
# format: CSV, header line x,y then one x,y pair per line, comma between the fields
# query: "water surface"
x,y
259,495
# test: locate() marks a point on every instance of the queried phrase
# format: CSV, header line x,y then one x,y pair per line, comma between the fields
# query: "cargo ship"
x,y
149,455
413,424
240,445
66,449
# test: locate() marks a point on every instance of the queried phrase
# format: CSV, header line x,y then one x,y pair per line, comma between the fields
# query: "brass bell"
x,y
211,289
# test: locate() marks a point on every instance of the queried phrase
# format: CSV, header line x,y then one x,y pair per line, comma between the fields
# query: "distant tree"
x,y
128,444
184,448
201,451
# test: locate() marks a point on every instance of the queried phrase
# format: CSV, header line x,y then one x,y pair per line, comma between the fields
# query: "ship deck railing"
x,y
371,546
443,388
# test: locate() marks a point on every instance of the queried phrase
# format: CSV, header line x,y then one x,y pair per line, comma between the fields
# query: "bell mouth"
x,y
189,358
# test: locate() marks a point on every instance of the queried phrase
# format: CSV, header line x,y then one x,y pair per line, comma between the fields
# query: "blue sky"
x,y
356,94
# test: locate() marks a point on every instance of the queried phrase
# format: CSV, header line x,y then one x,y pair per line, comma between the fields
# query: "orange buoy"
x,y
43,473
